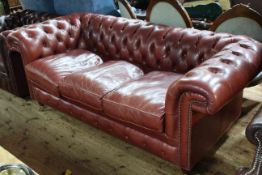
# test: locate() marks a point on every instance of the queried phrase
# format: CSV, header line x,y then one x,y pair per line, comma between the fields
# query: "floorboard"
x,y
253,93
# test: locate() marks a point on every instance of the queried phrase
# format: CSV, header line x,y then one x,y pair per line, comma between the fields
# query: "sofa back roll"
x,y
153,47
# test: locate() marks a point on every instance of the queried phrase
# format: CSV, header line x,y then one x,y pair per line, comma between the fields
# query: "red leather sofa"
x,y
12,74
173,92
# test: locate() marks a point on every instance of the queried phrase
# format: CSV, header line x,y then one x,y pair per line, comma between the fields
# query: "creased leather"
x,y
48,72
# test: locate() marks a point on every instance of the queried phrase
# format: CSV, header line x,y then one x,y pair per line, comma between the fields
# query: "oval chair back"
x,y
240,20
168,12
126,9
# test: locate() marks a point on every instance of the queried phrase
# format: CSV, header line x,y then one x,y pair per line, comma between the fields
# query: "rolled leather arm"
x,y
220,78
45,39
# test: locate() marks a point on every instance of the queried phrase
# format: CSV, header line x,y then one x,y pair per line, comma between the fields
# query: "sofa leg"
x,y
186,172
40,104
256,168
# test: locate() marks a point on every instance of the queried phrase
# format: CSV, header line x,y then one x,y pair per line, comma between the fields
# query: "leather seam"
x,y
106,100
84,104
81,89
38,86
135,124
189,118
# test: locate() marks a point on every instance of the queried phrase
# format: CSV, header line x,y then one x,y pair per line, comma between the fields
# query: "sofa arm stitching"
x,y
189,117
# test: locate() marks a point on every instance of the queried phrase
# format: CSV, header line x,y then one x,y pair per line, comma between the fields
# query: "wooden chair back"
x,y
126,9
240,20
168,12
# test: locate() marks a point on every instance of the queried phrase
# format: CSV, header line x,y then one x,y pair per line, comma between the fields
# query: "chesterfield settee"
x,y
10,73
173,92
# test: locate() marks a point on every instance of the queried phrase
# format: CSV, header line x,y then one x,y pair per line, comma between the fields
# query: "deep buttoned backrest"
x,y
47,38
152,47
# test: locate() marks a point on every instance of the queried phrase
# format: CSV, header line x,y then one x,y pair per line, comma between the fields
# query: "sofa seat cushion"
x,y
141,102
47,72
89,86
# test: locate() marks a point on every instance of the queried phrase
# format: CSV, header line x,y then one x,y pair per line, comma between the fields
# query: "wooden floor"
x,y
254,93
51,142
7,158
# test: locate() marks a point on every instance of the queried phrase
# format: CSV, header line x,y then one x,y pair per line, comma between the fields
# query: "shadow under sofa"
x,y
171,91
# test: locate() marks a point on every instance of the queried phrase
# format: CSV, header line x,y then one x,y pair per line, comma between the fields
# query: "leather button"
x,y
244,46
236,53
215,70
226,61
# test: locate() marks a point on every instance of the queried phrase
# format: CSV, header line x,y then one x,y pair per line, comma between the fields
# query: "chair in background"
x,y
168,12
254,135
240,20
126,9
254,4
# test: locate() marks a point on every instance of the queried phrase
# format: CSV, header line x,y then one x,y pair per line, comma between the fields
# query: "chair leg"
x,y
256,168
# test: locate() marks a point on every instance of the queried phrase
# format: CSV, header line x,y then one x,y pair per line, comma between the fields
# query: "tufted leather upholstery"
x,y
50,37
9,71
198,91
